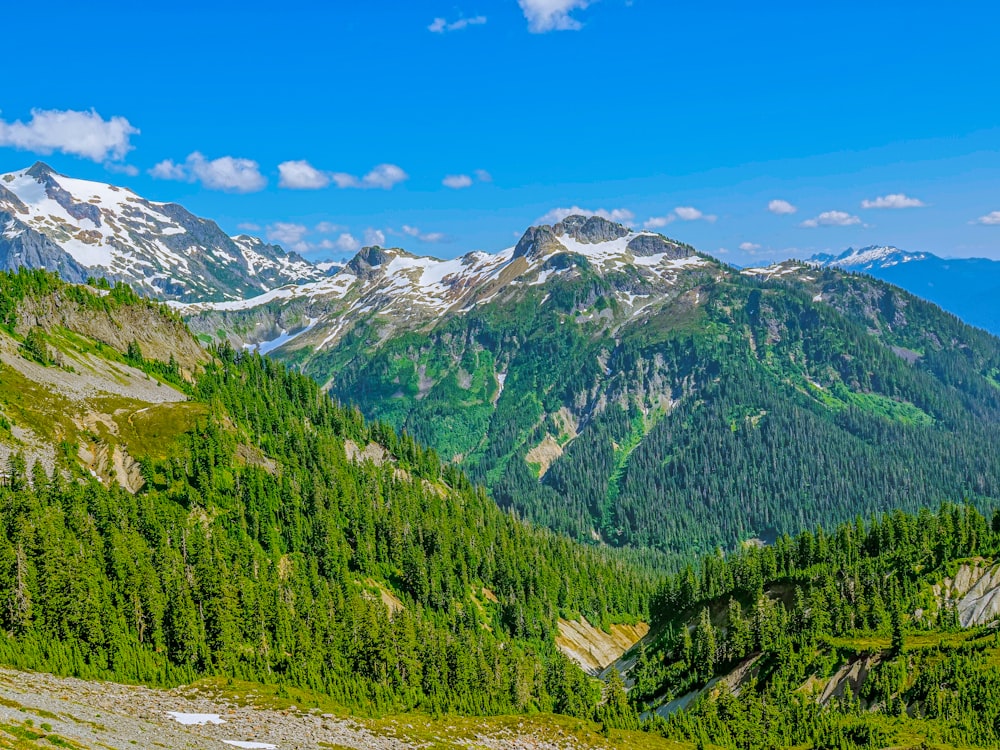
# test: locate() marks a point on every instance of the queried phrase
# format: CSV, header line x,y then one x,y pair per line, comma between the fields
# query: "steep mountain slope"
x,y
852,638
268,534
618,386
967,287
82,229
90,379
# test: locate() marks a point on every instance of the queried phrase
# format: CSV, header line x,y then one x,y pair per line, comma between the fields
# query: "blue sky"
x,y
328,124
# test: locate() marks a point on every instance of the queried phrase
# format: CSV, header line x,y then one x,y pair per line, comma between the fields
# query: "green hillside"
x,y
732,406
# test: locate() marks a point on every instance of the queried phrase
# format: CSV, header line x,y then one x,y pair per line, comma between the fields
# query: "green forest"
x,y
285,540
258,550
733,408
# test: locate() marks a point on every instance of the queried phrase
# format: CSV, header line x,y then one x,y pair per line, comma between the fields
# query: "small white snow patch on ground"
x,y
251,745
195,719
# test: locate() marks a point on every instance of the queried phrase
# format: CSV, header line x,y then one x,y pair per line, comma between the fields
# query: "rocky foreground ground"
x,y
41,710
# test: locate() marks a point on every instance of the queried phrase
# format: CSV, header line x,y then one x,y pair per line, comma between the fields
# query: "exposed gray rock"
x,y
654,244
590,229
538,242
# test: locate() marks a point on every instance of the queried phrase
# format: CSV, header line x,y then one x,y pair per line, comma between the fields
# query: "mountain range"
x,y
620,387
967,287
85,229
174,514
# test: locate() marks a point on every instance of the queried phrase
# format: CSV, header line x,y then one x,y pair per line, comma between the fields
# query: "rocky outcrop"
x,y
159,337
590,230
644,245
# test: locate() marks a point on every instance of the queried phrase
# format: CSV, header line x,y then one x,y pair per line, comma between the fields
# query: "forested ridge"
x,y
733,406
258,549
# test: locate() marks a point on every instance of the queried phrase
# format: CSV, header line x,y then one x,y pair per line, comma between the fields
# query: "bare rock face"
x,y
644,245
367,263
538,242
590,230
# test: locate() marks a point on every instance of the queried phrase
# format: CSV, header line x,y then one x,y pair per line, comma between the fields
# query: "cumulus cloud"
x,y
684,213
991,219
248,226
749,246
832,219
781,207
301,175
551,15
227,173
169,170
441,25
423,236
85,134
383,176
287,233
558,214
374,237
328,227
689,213
347,242
658,222
893,200
457,181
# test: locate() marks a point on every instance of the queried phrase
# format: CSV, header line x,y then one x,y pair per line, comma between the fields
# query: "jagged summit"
x,y
82,228
595,237
409,291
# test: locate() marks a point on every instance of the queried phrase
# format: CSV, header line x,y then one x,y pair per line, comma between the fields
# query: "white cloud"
x,y
558,214
684,213
85,134
482,175
551,15
423,236
328,227
168,170
832,219
893,200
749,246
287,233
374,237
227,173
457,181
781,207
991,219
658,222
383,176
301,175
689,213
248,226
441,25
348,243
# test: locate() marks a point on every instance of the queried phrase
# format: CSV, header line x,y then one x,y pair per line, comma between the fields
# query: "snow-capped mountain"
x,y
967,287
407,292
868,258
81,228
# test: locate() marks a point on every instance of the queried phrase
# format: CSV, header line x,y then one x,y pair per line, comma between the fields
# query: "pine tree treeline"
x,y
802,608
255,552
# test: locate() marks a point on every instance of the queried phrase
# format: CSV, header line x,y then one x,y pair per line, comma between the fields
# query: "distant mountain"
x,y
83,229
967,287
618,386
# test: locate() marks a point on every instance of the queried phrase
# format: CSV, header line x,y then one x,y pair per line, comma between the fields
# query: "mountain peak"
x,y
590,229
40,169
872,256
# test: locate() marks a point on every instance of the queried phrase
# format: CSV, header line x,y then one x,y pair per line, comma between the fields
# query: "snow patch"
x,y
195,719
